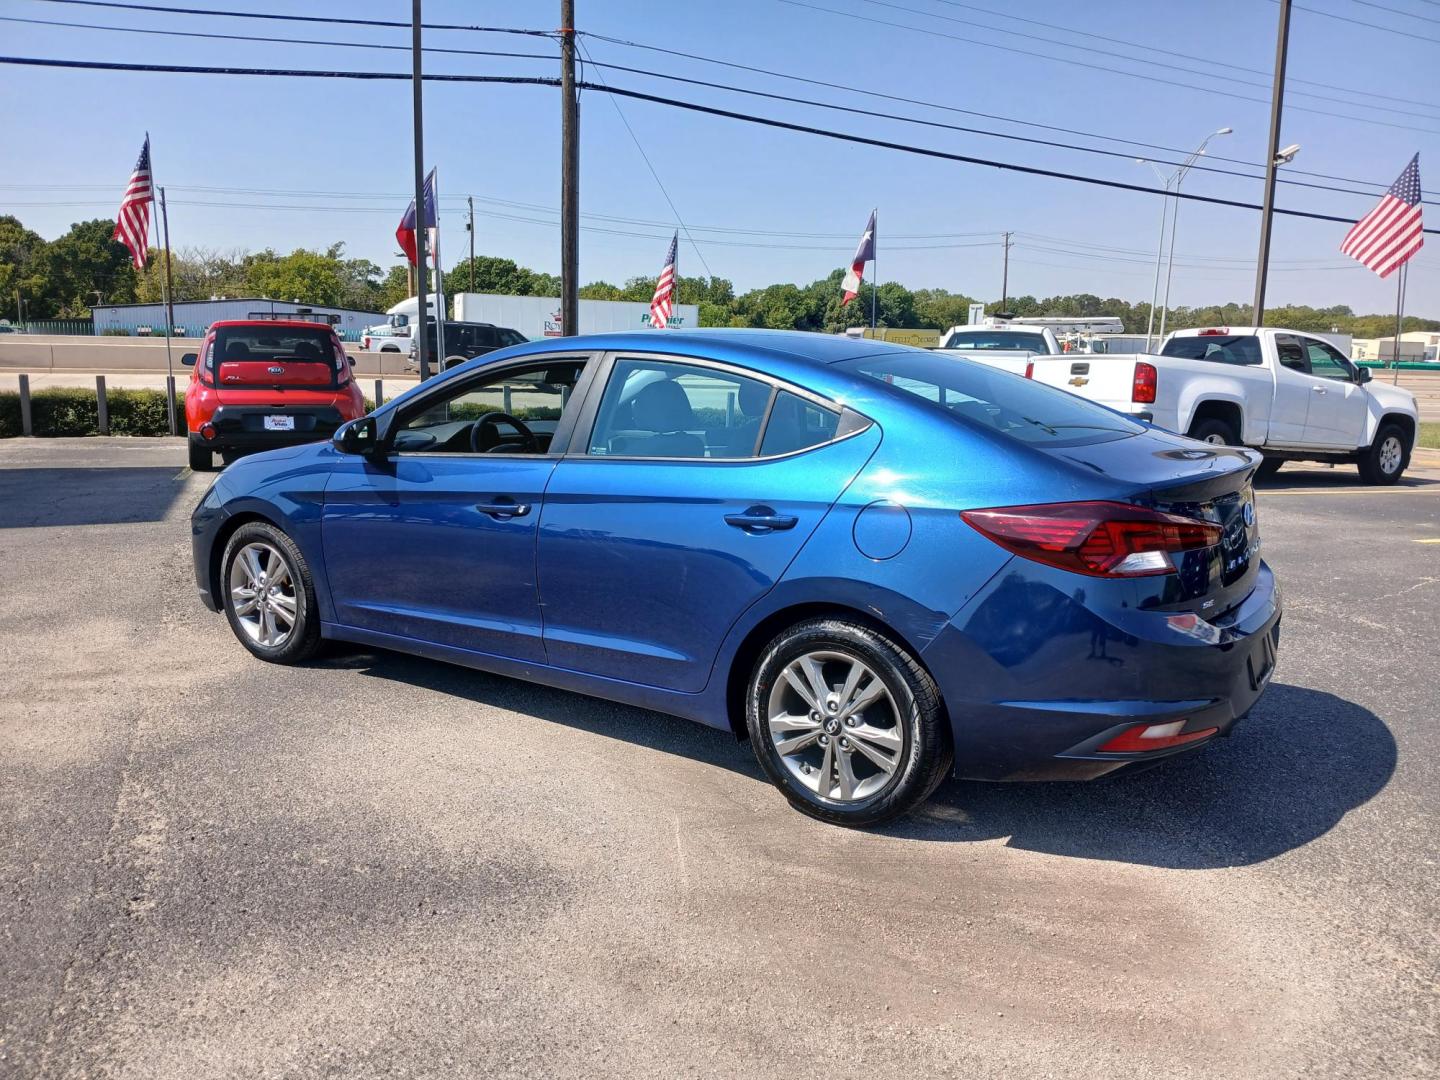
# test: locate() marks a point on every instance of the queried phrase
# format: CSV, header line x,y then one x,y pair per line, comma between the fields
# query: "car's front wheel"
x,y
1385,460
269,595
847,723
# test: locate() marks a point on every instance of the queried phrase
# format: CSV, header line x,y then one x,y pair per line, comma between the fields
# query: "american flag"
x,y
1387,236
863,254
132,224
661,303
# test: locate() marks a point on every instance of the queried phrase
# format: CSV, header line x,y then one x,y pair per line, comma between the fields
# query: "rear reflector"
x,y
1145,737
1101,539
207,430
1142,391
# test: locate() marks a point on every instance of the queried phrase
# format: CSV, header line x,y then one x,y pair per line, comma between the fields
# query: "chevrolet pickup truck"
x,y
1292,396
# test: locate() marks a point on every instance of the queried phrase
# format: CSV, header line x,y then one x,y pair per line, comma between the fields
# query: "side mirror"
x,y
188,359
356,437
1363,375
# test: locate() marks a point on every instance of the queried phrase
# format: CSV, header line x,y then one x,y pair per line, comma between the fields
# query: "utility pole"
x,y
1005,275
470,199
422,327
1272,160
569,176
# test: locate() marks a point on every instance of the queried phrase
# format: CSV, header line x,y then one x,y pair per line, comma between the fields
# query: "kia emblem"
x,y
276,371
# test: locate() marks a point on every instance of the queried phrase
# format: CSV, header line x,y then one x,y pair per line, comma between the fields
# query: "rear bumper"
x,y
1035,680
242,427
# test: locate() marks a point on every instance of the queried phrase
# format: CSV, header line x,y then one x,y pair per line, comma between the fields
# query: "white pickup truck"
x,y
1009,348
1293,396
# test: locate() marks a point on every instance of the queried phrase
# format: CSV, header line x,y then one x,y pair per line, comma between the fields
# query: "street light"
x,y
1175,178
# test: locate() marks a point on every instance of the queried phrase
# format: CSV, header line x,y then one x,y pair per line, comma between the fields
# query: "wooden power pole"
x,y
569,176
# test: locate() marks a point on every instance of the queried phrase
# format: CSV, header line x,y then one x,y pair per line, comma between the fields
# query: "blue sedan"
x,y
880,565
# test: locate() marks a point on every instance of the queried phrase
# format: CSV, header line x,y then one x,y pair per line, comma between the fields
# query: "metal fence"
x,y
81,328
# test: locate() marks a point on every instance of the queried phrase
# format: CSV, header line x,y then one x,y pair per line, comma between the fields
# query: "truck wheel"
x,y
1385,460
1268,468
1217,432
201,460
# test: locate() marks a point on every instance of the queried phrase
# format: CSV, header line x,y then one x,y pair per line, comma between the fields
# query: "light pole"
x,y
1176,178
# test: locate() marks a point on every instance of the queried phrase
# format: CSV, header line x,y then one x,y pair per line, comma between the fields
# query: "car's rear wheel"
x,y
269,595
1216,432
1385,460
201,459
846,723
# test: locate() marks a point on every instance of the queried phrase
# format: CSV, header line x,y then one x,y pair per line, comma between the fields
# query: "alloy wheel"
x,y
262,594
835,727
1391,453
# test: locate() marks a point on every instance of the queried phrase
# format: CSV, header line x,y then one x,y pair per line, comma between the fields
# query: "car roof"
x,y
721,344
311,323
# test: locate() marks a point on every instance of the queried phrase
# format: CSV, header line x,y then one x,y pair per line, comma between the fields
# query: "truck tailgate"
x,y
1107,379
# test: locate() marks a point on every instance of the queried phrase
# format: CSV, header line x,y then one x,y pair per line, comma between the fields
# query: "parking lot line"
x,y
1428,540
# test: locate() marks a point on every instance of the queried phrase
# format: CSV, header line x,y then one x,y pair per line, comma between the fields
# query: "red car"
x,y
260,383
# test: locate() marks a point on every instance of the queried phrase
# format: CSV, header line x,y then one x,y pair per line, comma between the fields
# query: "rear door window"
x,y
797,424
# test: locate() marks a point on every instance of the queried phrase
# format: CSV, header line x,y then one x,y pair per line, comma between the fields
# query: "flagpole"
x,y
168,294
874,267
1400,282
439,283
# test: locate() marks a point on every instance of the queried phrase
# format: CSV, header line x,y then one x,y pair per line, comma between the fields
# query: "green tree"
x,y
311,277
82,266
20,264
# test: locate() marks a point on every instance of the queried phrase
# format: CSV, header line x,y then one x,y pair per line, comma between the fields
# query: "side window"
x,y
659,408
1326,361
797,424
1292,355
461,422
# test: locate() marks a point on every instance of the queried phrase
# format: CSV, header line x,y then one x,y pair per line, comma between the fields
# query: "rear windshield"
x,y
1217,348
1019,408
976,340
287,345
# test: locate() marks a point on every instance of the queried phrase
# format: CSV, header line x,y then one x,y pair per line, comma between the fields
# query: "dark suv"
x,y
465,341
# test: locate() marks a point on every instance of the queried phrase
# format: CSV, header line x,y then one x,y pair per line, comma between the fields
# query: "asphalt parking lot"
x,y
376,865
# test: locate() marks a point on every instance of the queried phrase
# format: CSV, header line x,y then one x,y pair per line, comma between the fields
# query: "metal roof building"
x,y
193,317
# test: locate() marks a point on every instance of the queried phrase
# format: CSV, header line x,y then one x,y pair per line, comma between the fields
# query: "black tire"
x,y
924,757
1269,467
1212,430
1385,460
201,459
304,637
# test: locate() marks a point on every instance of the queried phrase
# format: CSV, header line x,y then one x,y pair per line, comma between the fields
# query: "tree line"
x,y
85,268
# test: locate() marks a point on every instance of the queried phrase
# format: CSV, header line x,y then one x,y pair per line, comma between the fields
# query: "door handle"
x,y
761,519
1319,390
504,508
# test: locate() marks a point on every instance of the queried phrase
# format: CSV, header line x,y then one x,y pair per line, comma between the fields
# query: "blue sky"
x,y
285,163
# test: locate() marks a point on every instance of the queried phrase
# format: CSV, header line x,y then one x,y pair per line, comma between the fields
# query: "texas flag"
x,y
863,254
405,234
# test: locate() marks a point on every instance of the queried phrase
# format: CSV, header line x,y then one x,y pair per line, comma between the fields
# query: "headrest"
x,y
237,350
662,406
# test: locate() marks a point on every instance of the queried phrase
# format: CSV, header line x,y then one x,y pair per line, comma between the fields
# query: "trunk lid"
x,y
1195,480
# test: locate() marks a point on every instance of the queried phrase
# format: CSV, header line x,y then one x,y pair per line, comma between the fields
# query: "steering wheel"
x,y
485,434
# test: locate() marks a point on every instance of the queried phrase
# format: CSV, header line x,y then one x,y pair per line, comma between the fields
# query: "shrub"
x,y
73,411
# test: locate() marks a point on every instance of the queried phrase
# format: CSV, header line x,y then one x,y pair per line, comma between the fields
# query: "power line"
x,y
1210,60
331,19
690,106
1106,71
585,53
1362,22
1398,11
956,109
1133,59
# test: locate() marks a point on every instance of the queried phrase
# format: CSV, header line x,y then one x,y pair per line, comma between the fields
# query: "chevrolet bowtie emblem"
x,y
1079,380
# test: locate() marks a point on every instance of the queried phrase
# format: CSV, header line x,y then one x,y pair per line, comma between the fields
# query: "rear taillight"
x,y
1101,539
1142,390
1029,369
1142,738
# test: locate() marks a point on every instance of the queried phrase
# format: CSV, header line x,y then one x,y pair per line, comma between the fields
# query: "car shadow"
x,y
38,498
1322,479
1298,764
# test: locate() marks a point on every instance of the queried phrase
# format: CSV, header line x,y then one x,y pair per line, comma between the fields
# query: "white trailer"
x,y
539,316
